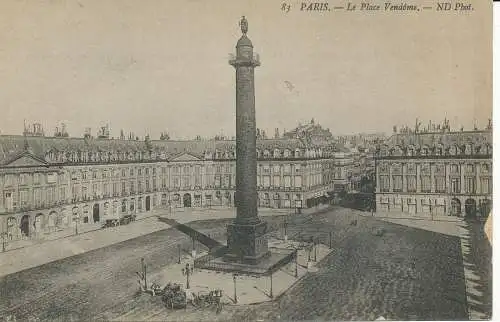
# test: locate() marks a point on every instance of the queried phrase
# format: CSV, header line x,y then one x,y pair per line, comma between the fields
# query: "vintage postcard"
x,y
283,160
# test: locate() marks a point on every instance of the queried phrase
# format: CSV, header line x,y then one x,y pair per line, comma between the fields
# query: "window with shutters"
x,y
455,185
470,185
384,183
267,181
297,181
288,181
276,181
411,182
486,185
425,183
397,183
440,183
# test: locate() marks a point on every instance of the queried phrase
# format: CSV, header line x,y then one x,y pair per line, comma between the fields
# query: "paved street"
x,y
35,254
366,276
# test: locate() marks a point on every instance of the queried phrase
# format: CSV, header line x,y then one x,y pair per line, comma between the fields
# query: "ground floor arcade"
x,y
441,205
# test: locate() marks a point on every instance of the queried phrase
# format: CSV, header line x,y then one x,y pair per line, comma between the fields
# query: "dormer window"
x,y
286,153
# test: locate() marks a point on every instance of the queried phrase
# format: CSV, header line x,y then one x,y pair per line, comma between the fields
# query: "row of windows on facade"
x,y
83,191
49,197
83,157
51,178
439,168
439,184
176,199
24,178
225,181
439,150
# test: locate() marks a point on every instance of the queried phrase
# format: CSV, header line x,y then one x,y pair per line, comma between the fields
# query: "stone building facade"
x,y
51,183
440,173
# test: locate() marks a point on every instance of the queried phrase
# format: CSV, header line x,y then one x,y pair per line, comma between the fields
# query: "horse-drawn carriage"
x,y
208,299
174,296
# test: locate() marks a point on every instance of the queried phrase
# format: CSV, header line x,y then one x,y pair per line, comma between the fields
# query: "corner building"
x,y
446,173
49,183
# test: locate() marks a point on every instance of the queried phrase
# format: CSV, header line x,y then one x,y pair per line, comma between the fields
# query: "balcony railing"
x,y
234,59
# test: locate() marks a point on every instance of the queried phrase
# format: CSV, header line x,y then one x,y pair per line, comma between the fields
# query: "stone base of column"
x,y
247,243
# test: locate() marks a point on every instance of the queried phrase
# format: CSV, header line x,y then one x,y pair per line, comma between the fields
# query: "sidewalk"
x,y
447,225
49,251
66,233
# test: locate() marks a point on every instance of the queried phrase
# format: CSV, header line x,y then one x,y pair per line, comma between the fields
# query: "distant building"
x,y
311,132
441,173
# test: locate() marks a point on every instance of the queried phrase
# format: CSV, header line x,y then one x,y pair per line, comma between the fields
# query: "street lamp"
x,y
179,248
193,251
315,249
76,218
285,225
187,272
271,291
143,264
296,262
234,282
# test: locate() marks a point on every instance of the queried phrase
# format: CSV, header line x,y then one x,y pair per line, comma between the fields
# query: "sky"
x,y
152,66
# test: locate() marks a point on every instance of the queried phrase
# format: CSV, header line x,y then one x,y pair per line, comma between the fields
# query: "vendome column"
x,y
246,235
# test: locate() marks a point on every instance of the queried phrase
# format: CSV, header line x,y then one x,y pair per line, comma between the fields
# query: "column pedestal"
x,y
247,243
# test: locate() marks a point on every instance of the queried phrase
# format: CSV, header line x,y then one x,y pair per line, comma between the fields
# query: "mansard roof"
x,y
61,149
442,143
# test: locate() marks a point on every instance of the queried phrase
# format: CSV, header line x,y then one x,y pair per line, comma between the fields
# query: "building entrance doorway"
x,y
455,207
470,208
148,203
25,225
95,213
187,200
